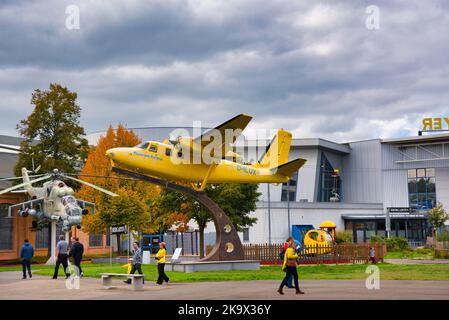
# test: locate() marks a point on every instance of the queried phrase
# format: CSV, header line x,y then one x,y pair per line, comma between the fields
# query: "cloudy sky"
x,y
311,67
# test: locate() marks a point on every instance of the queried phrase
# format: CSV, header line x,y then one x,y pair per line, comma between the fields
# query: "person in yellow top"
x,y
160,258
129,265
289,266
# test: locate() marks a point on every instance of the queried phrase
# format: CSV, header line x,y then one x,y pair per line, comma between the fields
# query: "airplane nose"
x,y
110,153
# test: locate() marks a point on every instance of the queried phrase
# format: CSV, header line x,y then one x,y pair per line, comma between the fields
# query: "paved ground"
x,y
39,287
417,261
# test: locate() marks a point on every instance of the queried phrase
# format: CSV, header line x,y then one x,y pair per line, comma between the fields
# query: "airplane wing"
x,y
229,131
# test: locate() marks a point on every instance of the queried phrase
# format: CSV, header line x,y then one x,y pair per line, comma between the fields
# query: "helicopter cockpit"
x,y
71,206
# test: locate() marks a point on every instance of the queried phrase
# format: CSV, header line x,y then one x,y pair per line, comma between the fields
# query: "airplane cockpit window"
x,y
143,146
168,152
153,148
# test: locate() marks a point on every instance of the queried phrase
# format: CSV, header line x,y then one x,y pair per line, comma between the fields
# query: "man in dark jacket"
x,y
76,252
26,253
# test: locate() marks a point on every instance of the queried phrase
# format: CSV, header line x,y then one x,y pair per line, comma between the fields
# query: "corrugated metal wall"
x,y
362,173
442,186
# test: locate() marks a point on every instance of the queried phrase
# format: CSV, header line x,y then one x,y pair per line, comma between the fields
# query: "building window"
x,y
6,228
329,186
95,240
245,234
42,238
290,186
421,188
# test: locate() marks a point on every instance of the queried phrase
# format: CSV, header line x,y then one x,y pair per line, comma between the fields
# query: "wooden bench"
x,y
136,280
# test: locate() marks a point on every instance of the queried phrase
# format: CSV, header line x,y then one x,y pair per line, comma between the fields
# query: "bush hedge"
x,y
396,244
344,237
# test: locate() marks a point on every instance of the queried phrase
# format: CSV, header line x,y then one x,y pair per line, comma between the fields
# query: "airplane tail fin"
x,y
276,153
289,168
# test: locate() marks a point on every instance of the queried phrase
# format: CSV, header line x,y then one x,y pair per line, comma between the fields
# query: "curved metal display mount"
x,y
227,244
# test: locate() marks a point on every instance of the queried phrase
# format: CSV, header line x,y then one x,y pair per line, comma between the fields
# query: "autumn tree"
x,y
53,137
132,207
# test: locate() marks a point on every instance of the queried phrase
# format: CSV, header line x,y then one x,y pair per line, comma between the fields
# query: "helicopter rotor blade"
x,y
100,176
112,194
24,184
10,148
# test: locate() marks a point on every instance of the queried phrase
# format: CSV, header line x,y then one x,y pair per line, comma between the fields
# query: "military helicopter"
x,y
54,200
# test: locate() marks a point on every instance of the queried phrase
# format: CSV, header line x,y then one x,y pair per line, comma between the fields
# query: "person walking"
x,y
372,255
26,254
137,261
289,266
62,257
285,247
76,252
160,258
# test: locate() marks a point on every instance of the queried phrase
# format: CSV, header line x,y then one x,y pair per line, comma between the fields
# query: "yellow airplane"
x,y
209,158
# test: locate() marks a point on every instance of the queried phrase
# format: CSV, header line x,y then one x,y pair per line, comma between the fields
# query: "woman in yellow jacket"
x,y
289,267
160,258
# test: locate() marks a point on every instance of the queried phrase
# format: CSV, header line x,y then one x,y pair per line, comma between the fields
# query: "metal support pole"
x,y
387,223
288,208
52,259
269,214
128,242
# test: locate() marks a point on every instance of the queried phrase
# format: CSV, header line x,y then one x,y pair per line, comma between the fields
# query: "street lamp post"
x,y
288,207
269,215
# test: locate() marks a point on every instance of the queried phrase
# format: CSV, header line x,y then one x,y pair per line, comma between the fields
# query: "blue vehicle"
x,y
151,241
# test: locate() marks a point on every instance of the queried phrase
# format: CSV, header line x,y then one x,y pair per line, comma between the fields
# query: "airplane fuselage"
x,y
162,160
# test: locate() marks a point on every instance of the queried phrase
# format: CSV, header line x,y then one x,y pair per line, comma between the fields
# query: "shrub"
x,y
424,251
443,236
376,239
442,254
344,237
396,244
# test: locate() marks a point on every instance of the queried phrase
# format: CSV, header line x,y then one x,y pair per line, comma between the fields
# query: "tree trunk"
x,y
201,231
117,235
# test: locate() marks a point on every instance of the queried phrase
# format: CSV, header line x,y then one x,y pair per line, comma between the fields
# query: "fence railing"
x,y
442,245
416,244
320,254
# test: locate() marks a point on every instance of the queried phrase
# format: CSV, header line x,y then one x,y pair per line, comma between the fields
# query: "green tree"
x,y
437,217
53,137
236,200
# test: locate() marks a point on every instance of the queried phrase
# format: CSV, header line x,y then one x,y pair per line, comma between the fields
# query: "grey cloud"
x,y
311,68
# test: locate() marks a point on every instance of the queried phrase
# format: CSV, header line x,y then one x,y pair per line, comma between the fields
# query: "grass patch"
x,y
309,272
411,254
